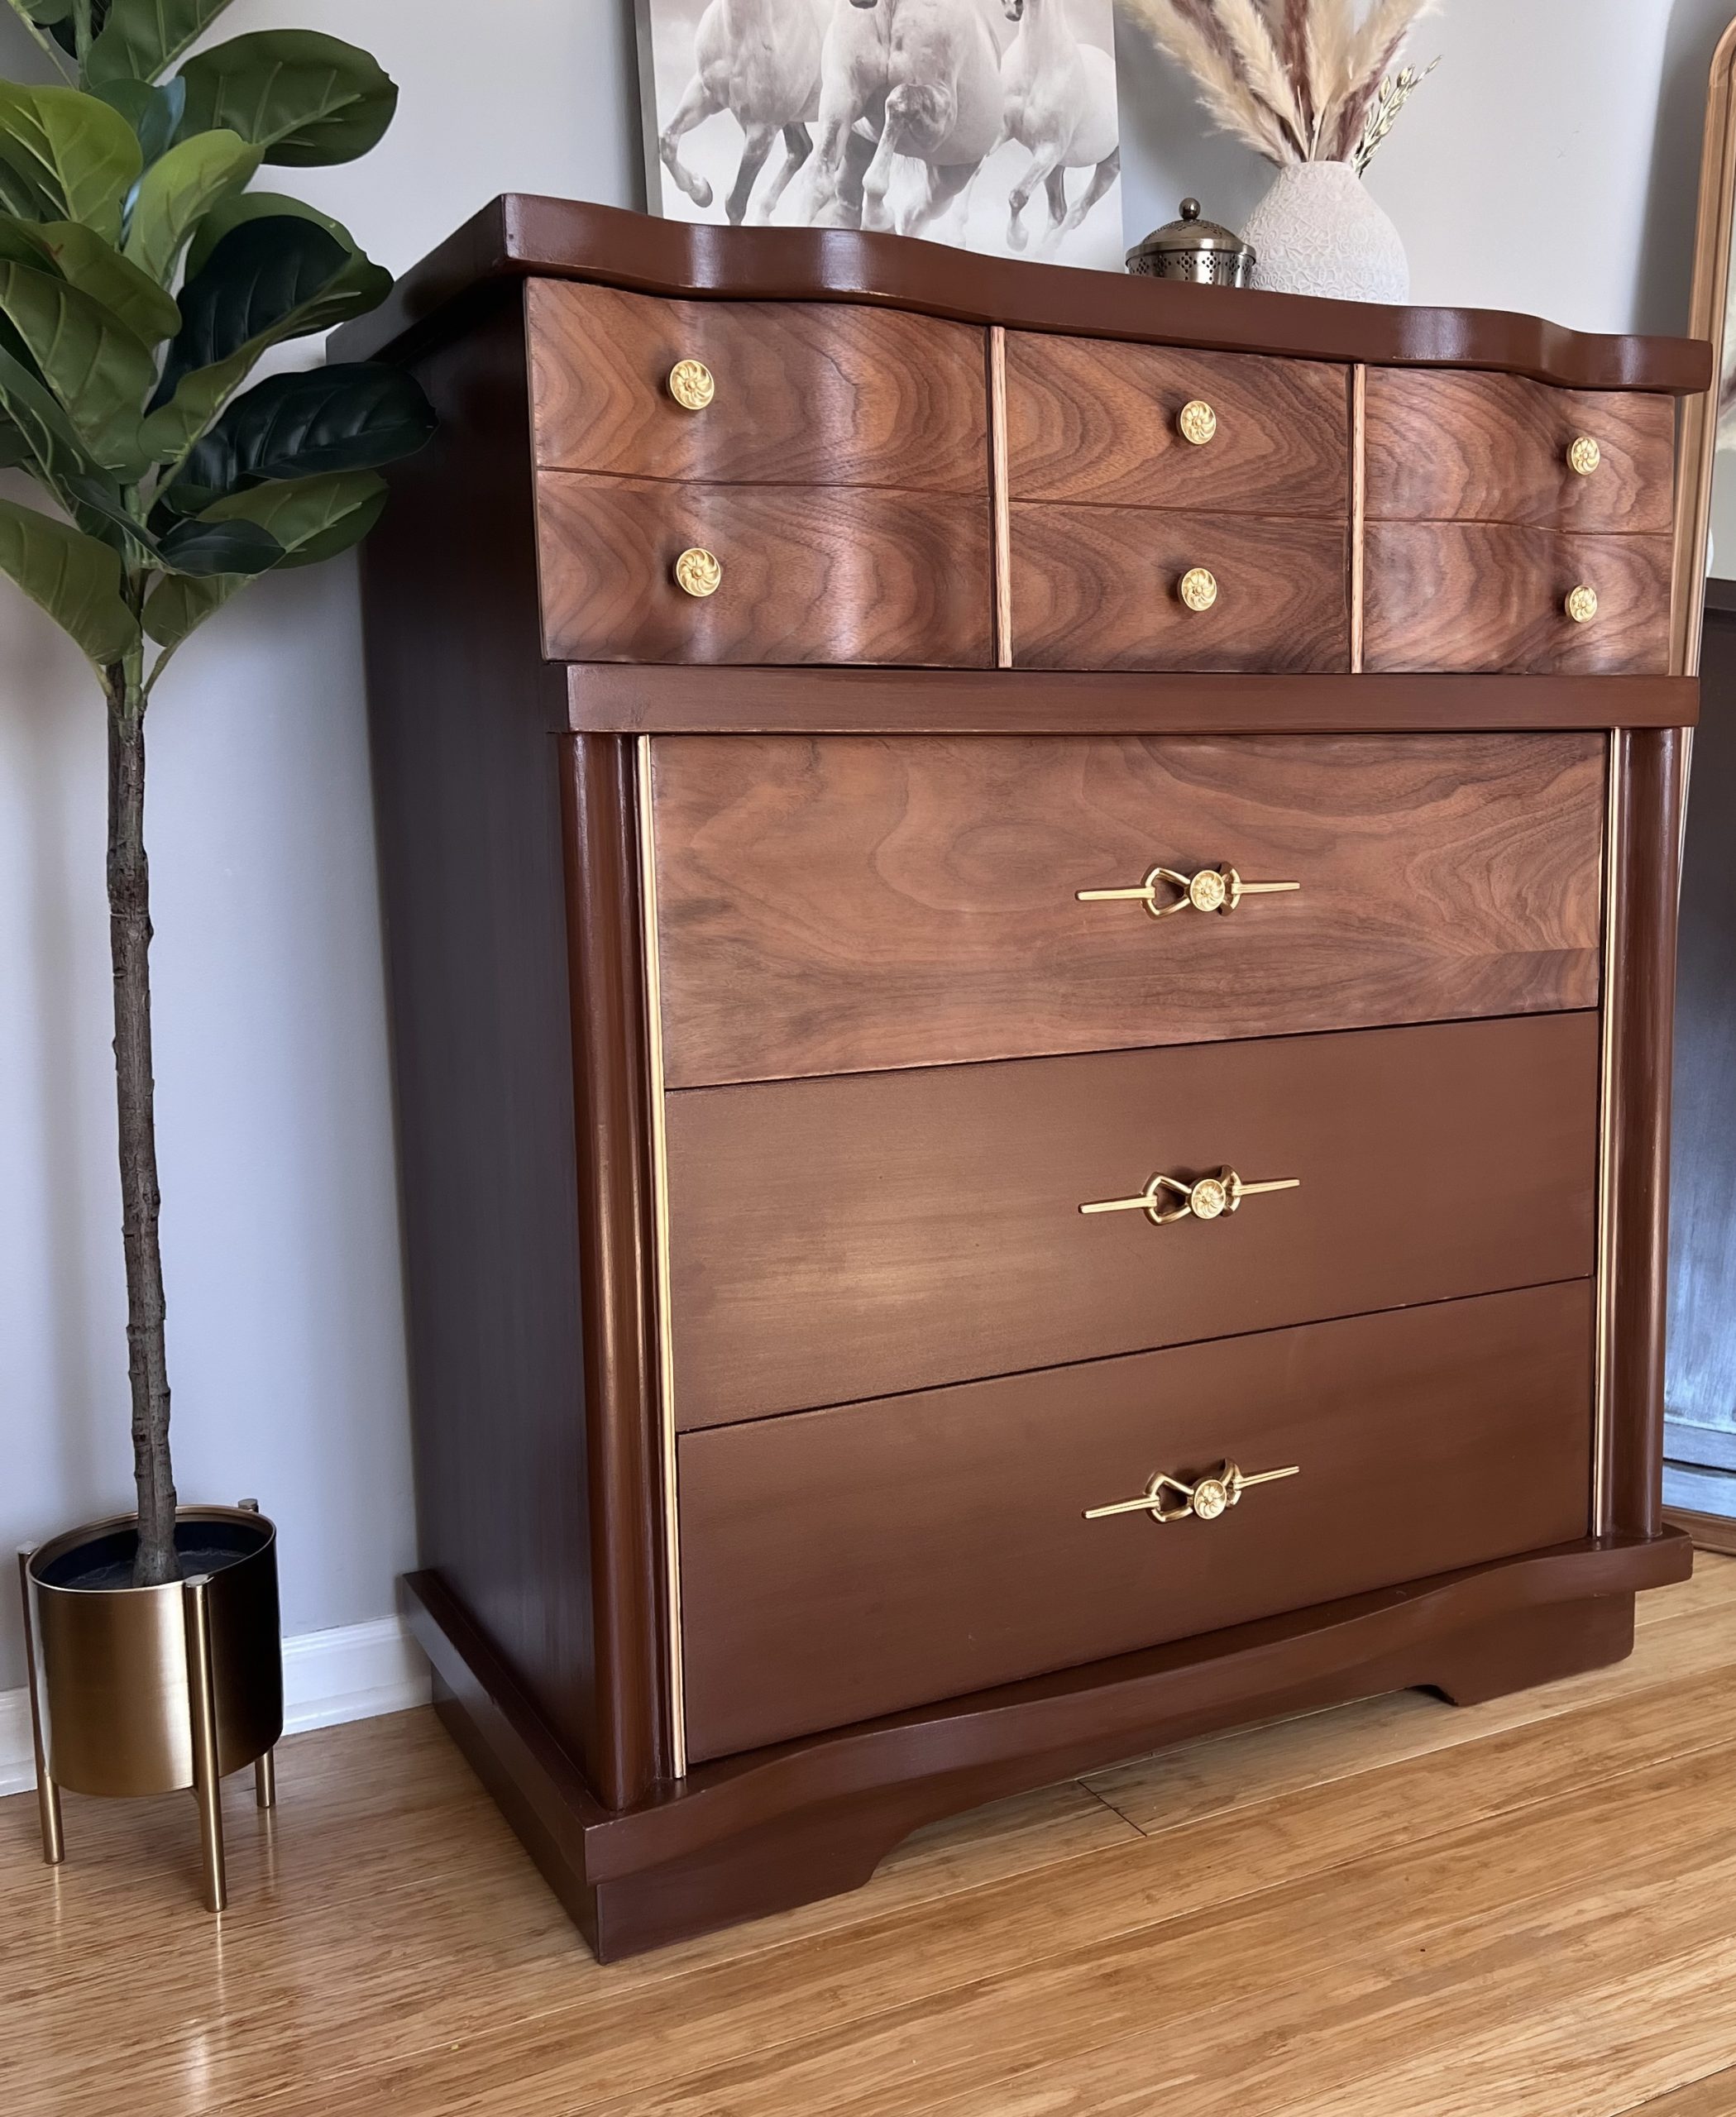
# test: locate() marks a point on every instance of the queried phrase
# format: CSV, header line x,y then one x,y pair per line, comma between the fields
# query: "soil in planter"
x,y
106,1561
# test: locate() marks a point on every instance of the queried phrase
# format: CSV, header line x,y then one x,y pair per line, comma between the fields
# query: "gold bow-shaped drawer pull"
x,y
1167,1198
1166,890
1205,1499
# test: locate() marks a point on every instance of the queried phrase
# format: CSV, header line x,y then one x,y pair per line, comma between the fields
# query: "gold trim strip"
x,y
1614,818
654,990
999,499
1359,508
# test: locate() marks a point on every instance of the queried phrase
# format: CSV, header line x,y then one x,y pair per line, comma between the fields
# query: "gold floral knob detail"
x,y
1197,422
1198,587
691,385
1581,605
1584,455
698,572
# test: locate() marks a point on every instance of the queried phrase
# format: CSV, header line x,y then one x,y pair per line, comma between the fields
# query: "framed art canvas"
x,y
989,124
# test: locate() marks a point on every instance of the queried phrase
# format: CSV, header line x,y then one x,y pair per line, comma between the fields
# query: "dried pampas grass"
x,y
1297,80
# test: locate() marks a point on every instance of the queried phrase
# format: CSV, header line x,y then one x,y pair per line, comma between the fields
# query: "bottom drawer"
x,y
838,1565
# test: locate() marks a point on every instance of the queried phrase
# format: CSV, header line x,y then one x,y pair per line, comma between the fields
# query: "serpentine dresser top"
x,y
1030,921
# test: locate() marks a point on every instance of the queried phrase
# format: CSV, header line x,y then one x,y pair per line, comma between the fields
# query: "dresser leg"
x,y
1533,1646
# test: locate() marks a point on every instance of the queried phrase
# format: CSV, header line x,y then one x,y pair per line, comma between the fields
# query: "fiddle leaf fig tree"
x,y
141,283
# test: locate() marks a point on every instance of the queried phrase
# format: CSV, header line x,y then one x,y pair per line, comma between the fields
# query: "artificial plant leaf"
x,y
201,547
176,191
272,205
352,416
74,578
312,518
178,605
19,196
96,367
44,13
154,113
139,38
304,98
14,449
81,157
253,289
98,268
62,22
55,453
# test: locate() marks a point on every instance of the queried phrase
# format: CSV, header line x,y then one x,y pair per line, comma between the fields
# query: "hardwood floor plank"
x,y
1714,2096
1220,1772
1462,1894
734,2014
474,1935
1712,1585
1588,1939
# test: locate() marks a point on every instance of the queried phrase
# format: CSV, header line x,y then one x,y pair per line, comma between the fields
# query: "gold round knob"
x,y
1211,1496
1584,455
1581,605
691,385
1209,1199
1197,422
1198,587
698,572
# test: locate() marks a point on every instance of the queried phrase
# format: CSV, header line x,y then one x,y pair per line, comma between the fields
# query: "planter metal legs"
x,y
143,1690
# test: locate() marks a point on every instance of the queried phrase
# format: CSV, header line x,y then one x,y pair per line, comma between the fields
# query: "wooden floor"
x,y
1395,1909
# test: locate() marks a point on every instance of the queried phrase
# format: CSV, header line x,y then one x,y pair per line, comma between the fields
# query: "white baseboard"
x,y
329,1677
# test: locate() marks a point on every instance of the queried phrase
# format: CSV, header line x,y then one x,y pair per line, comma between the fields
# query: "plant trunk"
x,y
129,934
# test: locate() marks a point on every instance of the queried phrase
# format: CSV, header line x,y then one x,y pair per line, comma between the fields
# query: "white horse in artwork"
x,y
922,75
760,60
1060,103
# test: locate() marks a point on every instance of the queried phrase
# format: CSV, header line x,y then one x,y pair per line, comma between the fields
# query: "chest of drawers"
x,y
1030,923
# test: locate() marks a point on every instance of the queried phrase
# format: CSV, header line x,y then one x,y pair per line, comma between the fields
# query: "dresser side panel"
x,y
499,1272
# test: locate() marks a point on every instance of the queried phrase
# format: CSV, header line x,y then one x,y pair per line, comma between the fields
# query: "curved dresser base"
x,y
760,1834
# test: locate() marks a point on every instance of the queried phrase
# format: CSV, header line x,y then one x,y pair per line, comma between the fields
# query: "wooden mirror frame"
x,y
1715,227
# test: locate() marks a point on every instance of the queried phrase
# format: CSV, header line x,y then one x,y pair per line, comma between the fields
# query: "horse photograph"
x,y
987,124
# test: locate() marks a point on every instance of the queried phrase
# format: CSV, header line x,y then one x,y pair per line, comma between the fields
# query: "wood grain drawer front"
x,y
1090,419
1106,588
1443,446
804,574
819,394
844,1564
832,1239
860,902
1469,596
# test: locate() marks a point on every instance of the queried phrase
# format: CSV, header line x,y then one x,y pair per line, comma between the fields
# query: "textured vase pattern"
x,y
1318,231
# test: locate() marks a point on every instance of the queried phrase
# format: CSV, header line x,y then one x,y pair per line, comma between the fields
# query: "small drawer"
x,y
1149,426
850,1238
1463,447
756,393
845,1564
1142,587
916,901
649,570
1469,596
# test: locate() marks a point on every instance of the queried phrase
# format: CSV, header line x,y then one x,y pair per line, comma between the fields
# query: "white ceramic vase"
x,y
1318,231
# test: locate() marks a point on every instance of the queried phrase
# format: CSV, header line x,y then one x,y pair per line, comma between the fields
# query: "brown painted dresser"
x,y
1031,922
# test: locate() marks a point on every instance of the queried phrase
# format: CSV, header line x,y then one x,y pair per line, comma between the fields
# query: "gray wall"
x,y
1533,171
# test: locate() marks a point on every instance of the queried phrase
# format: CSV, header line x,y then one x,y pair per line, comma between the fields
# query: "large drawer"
x,y
848,1237
792,393
842,1564
798,573
862,902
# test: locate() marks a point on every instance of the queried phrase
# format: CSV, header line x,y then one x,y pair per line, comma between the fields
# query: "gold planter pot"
x,y
145,1690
